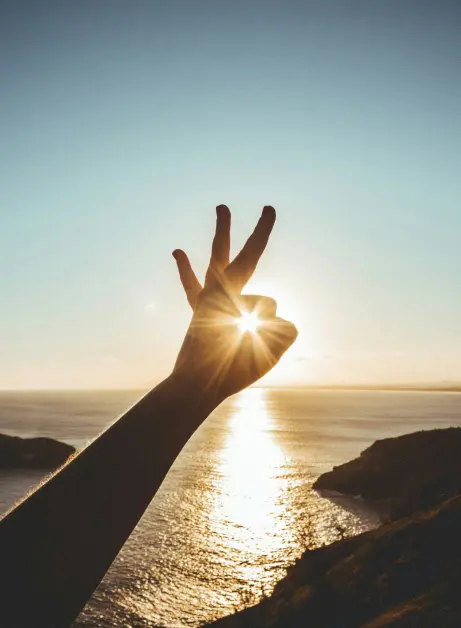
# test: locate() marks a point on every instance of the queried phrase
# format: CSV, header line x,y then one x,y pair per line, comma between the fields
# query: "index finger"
x,y
243,266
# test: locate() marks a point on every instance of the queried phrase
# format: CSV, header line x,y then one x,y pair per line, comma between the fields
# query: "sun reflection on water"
x,y
249,461
249,496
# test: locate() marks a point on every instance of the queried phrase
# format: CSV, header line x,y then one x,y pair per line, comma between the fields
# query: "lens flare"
x,y
248,322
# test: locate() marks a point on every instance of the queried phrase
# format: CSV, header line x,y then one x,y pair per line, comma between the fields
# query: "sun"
x,y
248,322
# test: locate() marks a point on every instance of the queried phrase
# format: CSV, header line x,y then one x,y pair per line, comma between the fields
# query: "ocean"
x,y
237,507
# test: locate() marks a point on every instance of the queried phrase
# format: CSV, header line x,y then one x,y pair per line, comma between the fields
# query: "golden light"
x,y
251,480
248,322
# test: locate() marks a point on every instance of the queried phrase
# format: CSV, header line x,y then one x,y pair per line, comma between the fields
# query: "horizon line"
x,y
406,387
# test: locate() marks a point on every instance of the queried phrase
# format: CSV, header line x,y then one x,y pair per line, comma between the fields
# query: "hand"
x,y
216,350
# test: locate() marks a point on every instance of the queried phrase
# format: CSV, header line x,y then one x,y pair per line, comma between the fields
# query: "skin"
x,y
56,545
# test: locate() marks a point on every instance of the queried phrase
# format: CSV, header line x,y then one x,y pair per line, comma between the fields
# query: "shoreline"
x,y
366,510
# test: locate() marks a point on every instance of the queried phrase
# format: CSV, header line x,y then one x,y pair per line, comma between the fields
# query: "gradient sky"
x,y
123,124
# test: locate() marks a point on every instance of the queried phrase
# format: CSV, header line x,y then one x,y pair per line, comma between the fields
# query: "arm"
x,y
56,546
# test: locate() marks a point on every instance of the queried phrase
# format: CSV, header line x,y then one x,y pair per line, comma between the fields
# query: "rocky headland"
x,y
32,453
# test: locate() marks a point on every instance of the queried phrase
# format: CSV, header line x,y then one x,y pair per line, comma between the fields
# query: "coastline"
x,y
374,513
406,571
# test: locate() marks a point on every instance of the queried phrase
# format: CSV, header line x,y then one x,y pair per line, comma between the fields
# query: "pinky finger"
x,y
190,283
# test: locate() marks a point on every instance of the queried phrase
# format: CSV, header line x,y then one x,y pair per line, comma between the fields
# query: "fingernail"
x,y
220,209
175,254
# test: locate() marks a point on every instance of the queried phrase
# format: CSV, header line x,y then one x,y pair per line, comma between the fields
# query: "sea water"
x,y
237,507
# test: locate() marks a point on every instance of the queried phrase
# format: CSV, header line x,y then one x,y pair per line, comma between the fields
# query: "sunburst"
x,y
248,322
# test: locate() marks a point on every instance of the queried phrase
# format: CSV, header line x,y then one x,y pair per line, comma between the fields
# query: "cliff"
x,y
32,453
407,573
404,474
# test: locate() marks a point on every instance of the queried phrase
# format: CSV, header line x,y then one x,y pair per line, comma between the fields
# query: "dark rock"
x,y
32,453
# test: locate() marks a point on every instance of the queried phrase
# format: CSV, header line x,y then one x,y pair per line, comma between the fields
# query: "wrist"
x,y
197,393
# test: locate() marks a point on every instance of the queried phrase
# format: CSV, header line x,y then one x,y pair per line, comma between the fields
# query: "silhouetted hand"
x,y
217,353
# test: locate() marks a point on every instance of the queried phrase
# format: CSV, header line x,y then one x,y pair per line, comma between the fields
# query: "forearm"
x,y
57,545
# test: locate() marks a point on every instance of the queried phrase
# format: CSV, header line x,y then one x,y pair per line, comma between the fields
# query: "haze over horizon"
x,y
124,125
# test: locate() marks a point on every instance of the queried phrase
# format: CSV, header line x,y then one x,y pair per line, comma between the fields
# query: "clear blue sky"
x,y
123,124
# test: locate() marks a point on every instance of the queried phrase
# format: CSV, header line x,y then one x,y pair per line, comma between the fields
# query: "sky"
x,y
123,125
